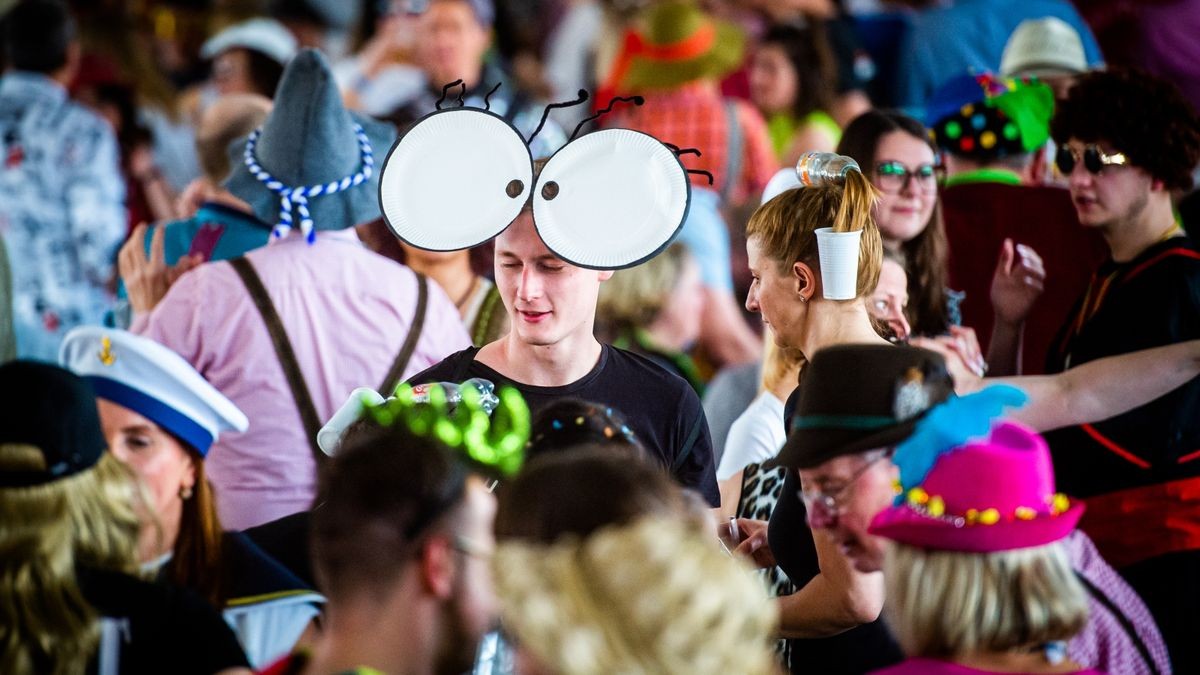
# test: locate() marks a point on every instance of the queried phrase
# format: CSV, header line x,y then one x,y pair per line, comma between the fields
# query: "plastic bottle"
x,y
824,168
487,393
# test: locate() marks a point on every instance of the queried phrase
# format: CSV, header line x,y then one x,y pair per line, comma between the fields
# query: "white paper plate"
x,y
621,197
444,185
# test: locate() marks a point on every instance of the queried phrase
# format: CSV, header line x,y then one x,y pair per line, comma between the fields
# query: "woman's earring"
x,y
185,493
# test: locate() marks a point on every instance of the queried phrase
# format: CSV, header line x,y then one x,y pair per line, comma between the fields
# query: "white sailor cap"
x,y
267,36
153,381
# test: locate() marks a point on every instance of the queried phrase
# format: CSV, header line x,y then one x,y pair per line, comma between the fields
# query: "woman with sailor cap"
x,y
160,417
68,532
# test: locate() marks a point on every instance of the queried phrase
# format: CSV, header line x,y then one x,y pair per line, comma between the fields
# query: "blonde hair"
x,y
655,596
943,604
786,225
46,625
634,296
103,512
779,363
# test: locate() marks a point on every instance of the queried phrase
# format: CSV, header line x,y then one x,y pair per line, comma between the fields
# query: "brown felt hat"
x,y
854,398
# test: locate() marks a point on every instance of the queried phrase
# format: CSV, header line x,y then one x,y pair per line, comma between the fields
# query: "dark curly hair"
x,y
1142,116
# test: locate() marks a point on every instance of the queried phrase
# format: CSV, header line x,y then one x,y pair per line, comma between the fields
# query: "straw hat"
x,y
677,43
652,597
1046,47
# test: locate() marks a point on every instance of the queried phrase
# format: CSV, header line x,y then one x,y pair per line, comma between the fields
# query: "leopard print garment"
x,y
760,490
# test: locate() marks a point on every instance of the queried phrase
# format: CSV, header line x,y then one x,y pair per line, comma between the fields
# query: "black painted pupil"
x,y
550,190
514,188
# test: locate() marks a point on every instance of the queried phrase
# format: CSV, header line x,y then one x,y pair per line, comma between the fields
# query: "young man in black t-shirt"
x,y
1126,142
551,352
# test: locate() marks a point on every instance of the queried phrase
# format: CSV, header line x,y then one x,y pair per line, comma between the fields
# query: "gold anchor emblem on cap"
x,y
106,354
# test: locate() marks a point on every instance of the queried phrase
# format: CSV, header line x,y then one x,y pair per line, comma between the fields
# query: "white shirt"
x,y
756,436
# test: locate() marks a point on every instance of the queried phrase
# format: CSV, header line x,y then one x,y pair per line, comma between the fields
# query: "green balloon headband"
x,y
495,443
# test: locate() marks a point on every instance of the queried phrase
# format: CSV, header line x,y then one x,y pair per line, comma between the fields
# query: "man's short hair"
x,y
379,497
1142,116
38,35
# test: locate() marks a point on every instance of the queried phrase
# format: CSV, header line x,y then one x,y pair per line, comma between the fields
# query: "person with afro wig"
x,y
1127,144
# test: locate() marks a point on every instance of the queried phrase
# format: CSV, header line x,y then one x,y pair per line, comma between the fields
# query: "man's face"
x,y
859,486
450,42
548,300
1116,195
472,609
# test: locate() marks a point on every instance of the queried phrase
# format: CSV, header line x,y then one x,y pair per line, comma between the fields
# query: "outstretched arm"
x,y
1106,387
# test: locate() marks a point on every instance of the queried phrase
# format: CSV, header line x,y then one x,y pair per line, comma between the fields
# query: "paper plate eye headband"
x,y
607,200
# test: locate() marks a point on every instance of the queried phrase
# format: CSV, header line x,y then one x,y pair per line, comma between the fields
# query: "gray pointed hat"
x,y
311,165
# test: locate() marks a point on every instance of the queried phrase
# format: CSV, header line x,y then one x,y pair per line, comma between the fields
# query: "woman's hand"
x,y
960,350
148,279
751,540
1017,283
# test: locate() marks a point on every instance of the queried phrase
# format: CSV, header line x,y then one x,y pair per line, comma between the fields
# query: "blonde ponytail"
x,y
786,225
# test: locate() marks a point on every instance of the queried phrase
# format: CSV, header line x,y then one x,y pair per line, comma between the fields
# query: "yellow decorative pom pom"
x,y
918,496
987,139
937,507
1025,513
966,110
989,517
972,516
1060,503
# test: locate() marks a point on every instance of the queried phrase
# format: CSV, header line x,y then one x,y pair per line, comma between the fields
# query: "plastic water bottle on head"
x,y
824,168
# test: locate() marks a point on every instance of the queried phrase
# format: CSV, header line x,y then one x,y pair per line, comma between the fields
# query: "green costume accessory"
x,y
495,444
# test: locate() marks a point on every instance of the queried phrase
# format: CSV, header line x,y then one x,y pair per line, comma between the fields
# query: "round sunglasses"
x,y
1094,159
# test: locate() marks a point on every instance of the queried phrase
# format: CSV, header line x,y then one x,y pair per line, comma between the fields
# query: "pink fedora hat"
x,y
991,495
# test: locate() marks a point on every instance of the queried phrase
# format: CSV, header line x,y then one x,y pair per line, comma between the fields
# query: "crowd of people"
x,y
597,336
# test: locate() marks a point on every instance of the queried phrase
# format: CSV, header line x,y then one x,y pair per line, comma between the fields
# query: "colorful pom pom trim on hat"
x,y
299,196
934,507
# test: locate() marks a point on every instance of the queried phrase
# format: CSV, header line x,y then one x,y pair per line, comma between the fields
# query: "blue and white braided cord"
x,y
298,196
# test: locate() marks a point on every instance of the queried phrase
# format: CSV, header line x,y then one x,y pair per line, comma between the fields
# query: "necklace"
x,y
1174,228
467,296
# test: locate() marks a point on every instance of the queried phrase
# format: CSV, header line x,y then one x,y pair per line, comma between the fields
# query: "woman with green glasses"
x,y
901,163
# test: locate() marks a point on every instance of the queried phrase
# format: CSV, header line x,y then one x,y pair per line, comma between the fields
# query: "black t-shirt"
x,y
859,650
661,408
1151,301
166,629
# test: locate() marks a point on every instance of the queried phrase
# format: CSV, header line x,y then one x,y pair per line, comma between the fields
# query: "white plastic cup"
x,y
838,252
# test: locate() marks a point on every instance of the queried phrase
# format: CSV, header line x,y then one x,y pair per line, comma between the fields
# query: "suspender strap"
x,y
283,352
410,342
1126,624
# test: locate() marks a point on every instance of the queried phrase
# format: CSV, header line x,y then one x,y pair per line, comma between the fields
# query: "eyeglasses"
x,y
1094,159
894,177
831,503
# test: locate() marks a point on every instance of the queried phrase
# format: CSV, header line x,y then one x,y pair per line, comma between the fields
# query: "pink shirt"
x,y
347,312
